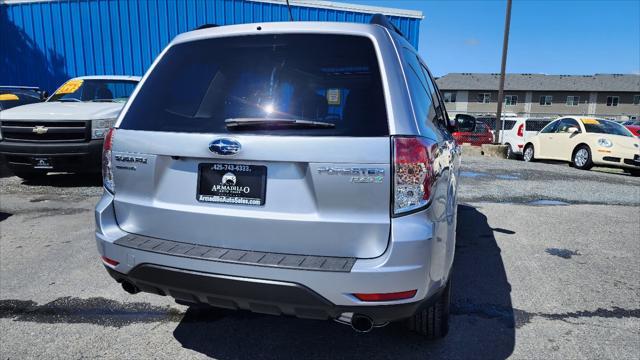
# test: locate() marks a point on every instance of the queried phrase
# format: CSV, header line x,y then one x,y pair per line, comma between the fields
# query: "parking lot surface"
x,y
547,267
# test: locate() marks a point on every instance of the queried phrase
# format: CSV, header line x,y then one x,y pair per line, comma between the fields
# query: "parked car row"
x,y
65,132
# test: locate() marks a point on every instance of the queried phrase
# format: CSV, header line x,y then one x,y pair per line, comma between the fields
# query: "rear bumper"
x,y
407,264
85,156
257,295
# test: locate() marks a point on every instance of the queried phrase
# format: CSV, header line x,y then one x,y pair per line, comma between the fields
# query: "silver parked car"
x,y
299,168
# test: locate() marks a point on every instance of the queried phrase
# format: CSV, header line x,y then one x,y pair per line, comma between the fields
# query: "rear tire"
x,y
528,153
433,322
582,158
29,174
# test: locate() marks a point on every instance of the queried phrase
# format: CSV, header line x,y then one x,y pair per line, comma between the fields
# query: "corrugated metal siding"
x,y
45,43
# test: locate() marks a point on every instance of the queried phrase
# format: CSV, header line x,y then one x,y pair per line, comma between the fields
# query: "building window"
x,y
636,99
546,100
449,97
612,100
510,100
484,98
573,100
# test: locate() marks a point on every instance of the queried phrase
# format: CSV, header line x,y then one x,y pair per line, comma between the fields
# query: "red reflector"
x,y
110,261
521,146
387,296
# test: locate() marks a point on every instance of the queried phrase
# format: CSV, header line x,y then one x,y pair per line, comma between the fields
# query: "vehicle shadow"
x,y
482,321
66,180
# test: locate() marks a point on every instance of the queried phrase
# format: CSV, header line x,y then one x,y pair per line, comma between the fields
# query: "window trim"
x,y
613,103
544,103
484,97
452,96
575,100
512,102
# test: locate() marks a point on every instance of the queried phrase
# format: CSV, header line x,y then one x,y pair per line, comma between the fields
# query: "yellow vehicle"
x,y
585,142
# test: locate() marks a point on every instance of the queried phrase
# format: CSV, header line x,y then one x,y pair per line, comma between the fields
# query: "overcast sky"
x,y
550,37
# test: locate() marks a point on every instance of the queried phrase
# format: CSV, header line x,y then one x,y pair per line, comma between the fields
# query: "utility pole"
x,y
505,45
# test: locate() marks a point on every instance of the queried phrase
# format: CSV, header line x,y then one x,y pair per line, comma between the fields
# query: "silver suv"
x,y
299,168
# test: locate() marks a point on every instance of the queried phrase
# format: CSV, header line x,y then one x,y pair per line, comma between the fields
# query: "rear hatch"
x,y
274,143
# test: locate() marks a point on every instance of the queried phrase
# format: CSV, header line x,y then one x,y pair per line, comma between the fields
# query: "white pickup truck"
x,y
64,133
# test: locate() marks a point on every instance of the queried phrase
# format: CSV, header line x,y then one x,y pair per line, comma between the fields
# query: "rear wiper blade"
x,y
276,123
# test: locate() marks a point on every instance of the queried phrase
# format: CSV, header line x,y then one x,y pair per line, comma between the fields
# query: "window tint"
x,y
535,125
565,124
420,94
198,85
551,127
509,124
436,97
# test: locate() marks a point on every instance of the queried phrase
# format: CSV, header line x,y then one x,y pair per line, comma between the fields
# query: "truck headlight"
x,y
100,127
605,142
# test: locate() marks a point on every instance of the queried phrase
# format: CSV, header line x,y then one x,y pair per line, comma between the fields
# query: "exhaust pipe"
x,y
361,323
130,288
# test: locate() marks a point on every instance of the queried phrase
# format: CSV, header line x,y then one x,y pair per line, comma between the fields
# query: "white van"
x,y
517,130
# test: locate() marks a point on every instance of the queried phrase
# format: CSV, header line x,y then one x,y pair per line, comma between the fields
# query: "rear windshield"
x,y
199,85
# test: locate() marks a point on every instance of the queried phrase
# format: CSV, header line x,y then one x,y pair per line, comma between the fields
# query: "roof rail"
x,y
206,26
380,19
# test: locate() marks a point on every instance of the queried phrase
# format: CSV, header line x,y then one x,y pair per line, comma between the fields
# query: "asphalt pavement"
x,y
547,267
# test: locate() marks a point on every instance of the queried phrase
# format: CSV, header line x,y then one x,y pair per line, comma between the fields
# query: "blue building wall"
x,y
45,43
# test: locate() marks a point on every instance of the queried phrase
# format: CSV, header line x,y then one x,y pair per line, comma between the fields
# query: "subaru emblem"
x,y
224,146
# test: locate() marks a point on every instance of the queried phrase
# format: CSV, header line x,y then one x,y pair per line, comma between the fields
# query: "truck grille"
x,y
46,131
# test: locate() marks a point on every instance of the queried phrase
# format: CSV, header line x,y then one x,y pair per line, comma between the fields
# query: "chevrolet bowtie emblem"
x,y
40,130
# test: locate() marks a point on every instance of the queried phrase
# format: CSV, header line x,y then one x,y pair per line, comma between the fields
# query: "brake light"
x,y
413,174
107,171
521,130
387,296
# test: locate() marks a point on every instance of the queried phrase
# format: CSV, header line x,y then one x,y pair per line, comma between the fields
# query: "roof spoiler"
x,y
382,20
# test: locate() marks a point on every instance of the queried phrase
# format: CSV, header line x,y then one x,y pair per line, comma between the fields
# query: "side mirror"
x,y
465,123
573,130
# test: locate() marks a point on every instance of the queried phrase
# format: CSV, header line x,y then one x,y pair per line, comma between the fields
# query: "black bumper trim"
x,y
258,258
64,156
257,295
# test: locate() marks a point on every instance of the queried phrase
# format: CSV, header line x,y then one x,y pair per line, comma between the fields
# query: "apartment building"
x,y
614,96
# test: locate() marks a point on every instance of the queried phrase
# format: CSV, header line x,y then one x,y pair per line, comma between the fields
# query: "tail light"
x,y
521,130
387,296
413,173
107,171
